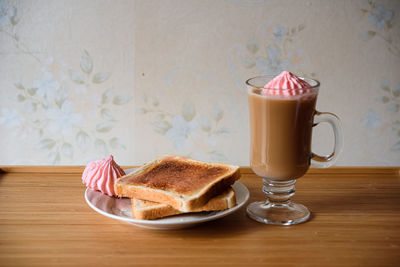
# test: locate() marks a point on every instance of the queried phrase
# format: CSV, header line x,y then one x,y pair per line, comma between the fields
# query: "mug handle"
x,y
333,120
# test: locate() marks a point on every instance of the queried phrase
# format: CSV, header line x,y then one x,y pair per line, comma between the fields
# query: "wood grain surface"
x,y
45,221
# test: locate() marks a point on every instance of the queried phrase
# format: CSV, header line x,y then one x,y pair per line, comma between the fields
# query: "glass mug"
x,y
281,124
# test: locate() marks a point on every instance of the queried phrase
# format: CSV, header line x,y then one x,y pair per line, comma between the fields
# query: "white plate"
x,y
120,209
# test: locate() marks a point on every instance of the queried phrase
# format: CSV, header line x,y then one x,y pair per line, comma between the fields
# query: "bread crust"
x,y
181,202
144,210
159,211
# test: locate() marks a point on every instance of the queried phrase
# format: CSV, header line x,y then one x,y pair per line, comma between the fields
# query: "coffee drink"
x,y
282,116
281,127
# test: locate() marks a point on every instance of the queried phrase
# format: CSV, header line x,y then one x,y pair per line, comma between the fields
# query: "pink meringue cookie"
x,y
101,174
287,84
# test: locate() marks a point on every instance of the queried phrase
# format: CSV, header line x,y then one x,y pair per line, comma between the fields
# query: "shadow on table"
x,y
231,226
2,174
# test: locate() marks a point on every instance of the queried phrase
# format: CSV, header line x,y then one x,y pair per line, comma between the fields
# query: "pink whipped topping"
x,y
286,84
101,174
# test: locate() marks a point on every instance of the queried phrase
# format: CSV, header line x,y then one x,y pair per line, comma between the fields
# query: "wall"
x,y
83,79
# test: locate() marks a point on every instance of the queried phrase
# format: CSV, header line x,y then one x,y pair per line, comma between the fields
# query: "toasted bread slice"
x,y
149,210
182,183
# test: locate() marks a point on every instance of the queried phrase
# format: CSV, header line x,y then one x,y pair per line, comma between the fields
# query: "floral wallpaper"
x,y
65,112
382,118
381,21
267,52
83,79
192,128
192,134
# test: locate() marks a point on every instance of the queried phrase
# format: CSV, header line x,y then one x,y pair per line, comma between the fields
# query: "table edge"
x,y
390,170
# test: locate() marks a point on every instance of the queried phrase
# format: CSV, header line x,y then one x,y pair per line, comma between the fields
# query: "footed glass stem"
x,y
278,209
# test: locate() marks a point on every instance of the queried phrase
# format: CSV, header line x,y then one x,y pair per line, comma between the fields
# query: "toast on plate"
x,y
184,184
149,210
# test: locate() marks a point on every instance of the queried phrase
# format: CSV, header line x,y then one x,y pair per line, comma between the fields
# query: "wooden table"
x,y
44,221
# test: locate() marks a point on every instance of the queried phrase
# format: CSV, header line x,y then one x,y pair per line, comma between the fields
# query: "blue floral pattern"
x,y
192,135
372,119
51,108
10,118
269,55
381,17
58,114
181,131
383,117
382,20
8,14
389,103
273,63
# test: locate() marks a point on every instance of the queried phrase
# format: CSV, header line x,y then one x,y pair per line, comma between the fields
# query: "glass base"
x,y
278,213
